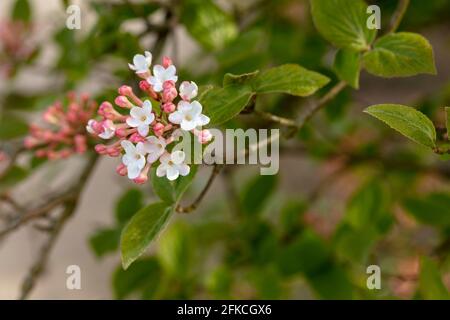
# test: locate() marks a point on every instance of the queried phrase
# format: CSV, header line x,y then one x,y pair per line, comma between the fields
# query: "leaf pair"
x,y
344,24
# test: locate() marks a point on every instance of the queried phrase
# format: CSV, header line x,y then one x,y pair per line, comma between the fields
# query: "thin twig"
x,y
311,111
271,117
198,200
398,15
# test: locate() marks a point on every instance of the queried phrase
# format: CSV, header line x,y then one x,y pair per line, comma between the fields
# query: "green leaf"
x,y
257,193
12,176
307,254
347,65
223,104
332,283
431,286
22,10
343,23
175,251
162,187
138,277
12,127
400,55
406,120
290,79
143,227
208,24
105,241
129,203
447,121
434,209
233,79
171,192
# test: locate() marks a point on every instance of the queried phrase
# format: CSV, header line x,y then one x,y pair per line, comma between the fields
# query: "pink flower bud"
x,y
169,107
158,129
80,144
101,149
167,62
204,136
142,179
106,110
114,152
121,132
123,102
121,169
147,88
136,137
125,91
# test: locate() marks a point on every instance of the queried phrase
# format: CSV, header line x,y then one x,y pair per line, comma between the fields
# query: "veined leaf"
x,y
347,65
343,23
143,227
400,55
290,79
406,120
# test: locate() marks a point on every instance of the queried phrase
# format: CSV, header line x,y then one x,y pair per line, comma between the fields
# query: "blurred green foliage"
x,y
264,244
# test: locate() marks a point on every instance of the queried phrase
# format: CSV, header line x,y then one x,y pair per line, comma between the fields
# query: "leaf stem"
x,y
398,15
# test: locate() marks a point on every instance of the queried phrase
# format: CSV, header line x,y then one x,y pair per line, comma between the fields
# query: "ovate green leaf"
x,y
141,230
290,79
400,55
343,23
406,120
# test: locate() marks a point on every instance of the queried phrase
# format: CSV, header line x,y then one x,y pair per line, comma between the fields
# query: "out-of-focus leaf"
x,y
290,216
22,10
406,120
175,251
434,209
14,175
219,283
12,127
332,282
347,65
307,254
267,282
141,230
208,24
105,241
139,277
431,286
400,55
257,193
290,79
129,203
343,23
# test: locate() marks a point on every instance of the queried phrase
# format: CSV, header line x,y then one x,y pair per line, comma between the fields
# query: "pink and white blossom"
x,y
189,115
141,118
173,165
161,75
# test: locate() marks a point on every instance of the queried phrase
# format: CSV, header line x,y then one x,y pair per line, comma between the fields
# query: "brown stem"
x,y
398,15
198,200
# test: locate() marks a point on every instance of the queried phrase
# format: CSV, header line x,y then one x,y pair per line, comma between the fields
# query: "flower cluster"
x,y
64,132
15,45
146,128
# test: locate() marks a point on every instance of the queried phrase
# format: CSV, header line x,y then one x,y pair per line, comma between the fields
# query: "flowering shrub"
x,y
144,135
355,210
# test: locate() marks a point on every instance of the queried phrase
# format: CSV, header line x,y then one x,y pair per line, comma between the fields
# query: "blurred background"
x,y
350,192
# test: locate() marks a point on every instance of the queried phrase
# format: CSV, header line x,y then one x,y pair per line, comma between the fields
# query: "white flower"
x,y
90,126
141,64
161,75
141,118
172,165
134,158
155,147
189,115
188,90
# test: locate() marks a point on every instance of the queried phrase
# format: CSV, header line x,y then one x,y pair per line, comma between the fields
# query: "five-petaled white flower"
x,y
188,90
161,75
141,118
141,64
189,115
133,159
172,165
155,147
